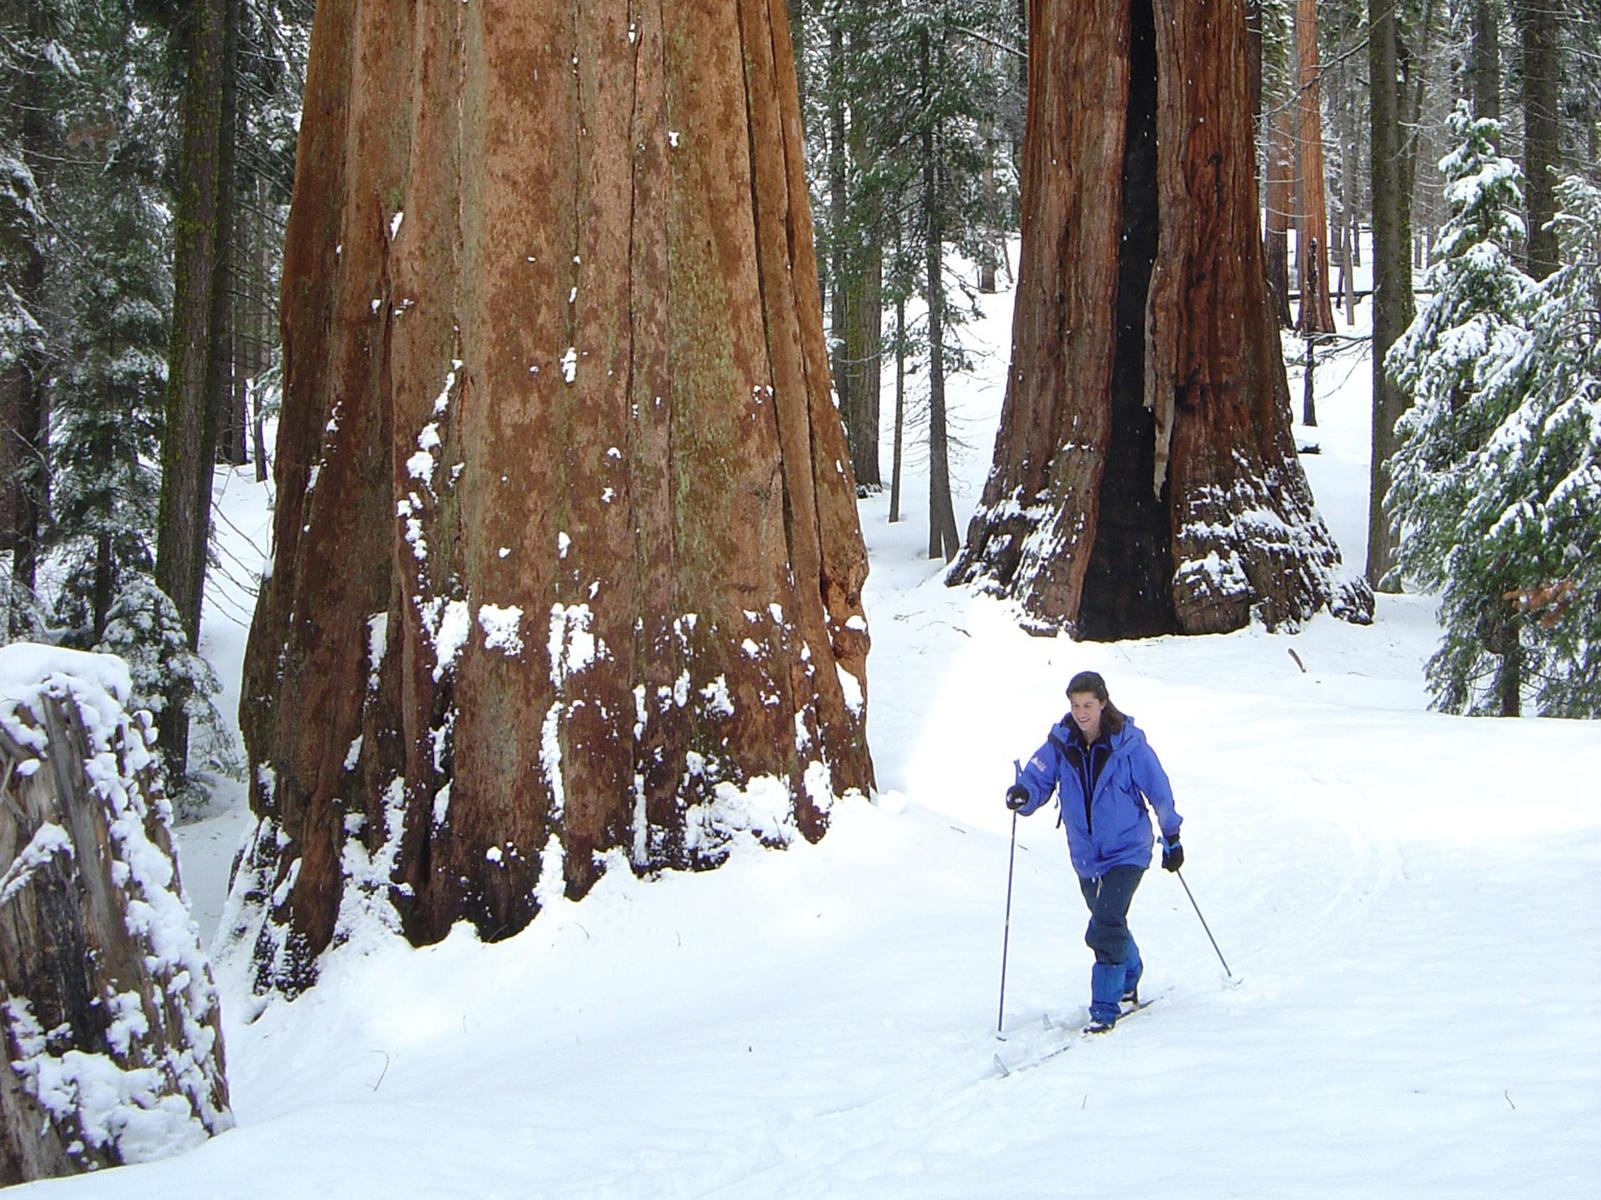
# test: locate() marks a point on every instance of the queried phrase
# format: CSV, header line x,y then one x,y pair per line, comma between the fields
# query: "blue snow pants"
x,y
1117,959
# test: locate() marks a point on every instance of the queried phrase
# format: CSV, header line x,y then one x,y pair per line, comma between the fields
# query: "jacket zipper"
x,y
1089,779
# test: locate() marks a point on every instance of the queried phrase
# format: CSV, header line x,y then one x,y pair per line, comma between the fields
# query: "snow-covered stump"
x,y
110,1016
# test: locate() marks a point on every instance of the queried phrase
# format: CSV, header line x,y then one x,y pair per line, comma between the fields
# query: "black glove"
x,y
1172,853
1016,797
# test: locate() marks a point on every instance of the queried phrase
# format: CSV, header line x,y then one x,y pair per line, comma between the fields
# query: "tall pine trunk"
x,y
24,407
1542,133
1392,272
234,419
992,240
900,406
839,216
1484,60
862,360
203,225
858,382
567,553
943,540
24,402
265,332
1145,435
1311,206
1280,168
1349,125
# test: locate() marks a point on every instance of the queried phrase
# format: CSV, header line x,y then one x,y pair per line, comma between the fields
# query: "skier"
x,y
1098,762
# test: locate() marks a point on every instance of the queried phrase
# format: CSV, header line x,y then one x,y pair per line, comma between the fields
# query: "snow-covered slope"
x,y
1411,903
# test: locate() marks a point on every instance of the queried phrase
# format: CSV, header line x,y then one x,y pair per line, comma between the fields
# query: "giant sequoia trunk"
x,y
1145,480
567,557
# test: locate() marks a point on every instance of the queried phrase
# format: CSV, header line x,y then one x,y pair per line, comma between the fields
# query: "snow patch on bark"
x,y
421,464
819,784
572,644
408,510
762,809
552,886
126,1110
448,624
852,687
48,841
718,701
442,401
550,760
377,645
502,628
367,916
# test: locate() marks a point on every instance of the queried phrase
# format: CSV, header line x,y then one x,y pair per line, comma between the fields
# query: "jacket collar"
x,y
1073,738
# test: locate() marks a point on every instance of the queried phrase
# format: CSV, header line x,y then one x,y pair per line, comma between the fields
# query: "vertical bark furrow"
x,y
1127,583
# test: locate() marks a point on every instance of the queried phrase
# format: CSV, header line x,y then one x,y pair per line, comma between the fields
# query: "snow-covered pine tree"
x,y
1537,488
1454,363
144,630
112,289
38,75
107,293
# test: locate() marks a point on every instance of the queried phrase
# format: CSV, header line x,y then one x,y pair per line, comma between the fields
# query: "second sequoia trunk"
x,y
1145,479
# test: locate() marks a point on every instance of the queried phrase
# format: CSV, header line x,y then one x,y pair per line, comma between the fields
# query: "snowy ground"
x,y
1411,903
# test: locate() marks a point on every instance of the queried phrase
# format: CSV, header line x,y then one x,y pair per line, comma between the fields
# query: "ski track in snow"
x,y
1409,902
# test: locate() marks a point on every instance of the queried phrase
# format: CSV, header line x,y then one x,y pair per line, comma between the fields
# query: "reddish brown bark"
x,y
1144,478
551,298
1311,205
1035,524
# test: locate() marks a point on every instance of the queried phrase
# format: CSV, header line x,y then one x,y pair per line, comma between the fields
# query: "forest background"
x,y
142,250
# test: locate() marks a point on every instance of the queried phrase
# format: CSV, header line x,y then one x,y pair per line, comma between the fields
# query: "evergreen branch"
x,y
989,41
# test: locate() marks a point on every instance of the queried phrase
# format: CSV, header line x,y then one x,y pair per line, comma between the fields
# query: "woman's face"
x,y
1087,709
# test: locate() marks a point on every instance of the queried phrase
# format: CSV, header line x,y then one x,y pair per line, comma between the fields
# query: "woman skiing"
x,y
1104,773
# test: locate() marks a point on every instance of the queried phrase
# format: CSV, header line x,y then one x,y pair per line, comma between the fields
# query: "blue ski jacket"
x,y
1107,824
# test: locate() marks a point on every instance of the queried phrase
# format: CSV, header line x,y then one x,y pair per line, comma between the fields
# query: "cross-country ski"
x,y
1060,1037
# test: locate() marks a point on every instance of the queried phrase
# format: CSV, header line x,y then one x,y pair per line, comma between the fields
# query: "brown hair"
x,y
1091,682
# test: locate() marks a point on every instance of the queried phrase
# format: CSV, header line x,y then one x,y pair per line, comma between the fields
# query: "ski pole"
x,y
1006,938
1204,925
